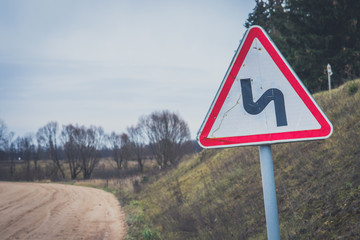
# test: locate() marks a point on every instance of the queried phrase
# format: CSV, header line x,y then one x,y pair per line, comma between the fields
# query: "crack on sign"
x,y
225,115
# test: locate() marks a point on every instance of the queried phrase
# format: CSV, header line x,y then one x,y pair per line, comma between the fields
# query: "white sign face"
x,y
328,68
233,120
261,100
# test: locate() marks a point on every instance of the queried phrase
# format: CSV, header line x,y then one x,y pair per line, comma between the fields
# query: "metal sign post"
x,y
268,182
329,72
241,113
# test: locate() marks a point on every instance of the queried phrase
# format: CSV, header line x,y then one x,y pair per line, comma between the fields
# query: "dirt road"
x,y
55,211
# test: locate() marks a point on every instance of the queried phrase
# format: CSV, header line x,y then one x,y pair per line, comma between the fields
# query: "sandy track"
x,y
55,211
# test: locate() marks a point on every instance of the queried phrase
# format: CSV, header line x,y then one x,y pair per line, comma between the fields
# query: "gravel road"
x,y
55,211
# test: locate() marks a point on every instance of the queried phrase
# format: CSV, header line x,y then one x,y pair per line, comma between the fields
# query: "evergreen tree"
x,y
311,34
259,16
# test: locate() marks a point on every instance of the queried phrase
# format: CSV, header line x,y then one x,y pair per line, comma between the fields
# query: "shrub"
x,y
352,88
147,234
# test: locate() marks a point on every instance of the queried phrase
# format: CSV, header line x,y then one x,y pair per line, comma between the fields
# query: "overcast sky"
x,y
106,63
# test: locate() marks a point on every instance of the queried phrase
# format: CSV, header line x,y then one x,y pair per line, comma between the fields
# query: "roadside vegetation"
x,y
217,194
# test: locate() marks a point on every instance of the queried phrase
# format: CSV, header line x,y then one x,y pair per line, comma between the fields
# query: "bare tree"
x,y
37,156
91,141
81,147
137,144
12,158
70,136
47,136
115,142
28,147
121,149
5,140
125,151
166,133
25,149
7,146
19,148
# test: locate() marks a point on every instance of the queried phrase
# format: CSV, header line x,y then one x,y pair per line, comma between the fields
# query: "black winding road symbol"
x,y
257,107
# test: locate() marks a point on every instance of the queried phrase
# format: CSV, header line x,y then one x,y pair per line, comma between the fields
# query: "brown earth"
x,y
55,211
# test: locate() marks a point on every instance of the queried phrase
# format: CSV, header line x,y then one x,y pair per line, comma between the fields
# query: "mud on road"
x,y
55,211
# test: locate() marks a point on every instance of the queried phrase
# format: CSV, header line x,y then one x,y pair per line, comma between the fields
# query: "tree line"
x,y
75,150
311,34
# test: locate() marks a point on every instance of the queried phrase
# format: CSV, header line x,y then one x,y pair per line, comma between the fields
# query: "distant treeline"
x,y
73,150
310,34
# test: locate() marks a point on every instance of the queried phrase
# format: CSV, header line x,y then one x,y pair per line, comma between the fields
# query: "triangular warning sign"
x,y
261,100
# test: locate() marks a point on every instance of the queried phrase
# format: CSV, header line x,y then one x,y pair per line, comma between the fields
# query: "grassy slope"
x,y
217,194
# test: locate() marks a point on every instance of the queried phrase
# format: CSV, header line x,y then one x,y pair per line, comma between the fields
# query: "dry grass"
x,y
217,194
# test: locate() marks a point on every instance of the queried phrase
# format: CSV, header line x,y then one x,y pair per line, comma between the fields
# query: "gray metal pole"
x,y
329,72
268,182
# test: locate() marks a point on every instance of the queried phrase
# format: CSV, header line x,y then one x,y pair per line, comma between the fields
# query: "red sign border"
x,y
257,32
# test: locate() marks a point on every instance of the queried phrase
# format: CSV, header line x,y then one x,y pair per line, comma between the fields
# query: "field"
x,y
45,170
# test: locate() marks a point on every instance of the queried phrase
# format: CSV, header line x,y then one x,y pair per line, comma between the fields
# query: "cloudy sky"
x,y
107,63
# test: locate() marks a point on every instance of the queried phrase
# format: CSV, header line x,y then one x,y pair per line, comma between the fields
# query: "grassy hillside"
x,y
217,194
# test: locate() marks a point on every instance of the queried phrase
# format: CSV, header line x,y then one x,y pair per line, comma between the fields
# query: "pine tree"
x,y
311,34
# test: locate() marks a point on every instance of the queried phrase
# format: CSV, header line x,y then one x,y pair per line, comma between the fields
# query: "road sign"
x,y
261,100
328,68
